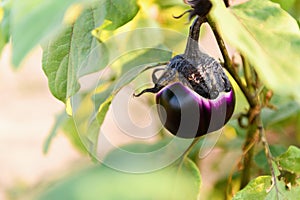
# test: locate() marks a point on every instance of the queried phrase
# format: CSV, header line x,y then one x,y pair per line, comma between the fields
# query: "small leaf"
x,y
268,37
73,54
70,131
290,160
58,122
103,110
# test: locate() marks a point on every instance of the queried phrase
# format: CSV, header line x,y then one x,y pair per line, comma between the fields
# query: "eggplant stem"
x,y
155,89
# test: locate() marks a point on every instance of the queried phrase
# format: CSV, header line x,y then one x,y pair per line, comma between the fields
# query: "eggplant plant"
x,y
250,94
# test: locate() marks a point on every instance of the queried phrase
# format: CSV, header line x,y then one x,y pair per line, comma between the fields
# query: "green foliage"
x,y
255,190
285,108
292,6
261,159
290,160
262,31
261,189
5,9
178,181
72,54
115,36
118,13
58,122
285,4
39,18
70,130
288,181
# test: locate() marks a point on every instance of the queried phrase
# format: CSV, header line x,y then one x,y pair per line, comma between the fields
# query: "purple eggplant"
x,y
194,95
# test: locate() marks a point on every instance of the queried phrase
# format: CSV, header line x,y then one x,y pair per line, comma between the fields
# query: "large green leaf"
x,y
43,18
34,20
177,181
268,37
290,160
74,53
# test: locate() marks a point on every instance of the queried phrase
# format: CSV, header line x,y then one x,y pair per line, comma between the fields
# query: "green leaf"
x,y
285,4
170,3
260,189
268,37
290,160
285,108
140,157
101,182
73,54
33,21
118,13
83,128
255,190
70,131
261,159
5,8
103,109
58,122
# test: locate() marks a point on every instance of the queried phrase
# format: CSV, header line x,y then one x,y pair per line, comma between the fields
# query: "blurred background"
x,y
27,113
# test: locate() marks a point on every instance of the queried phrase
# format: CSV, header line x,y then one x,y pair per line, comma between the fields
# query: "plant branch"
x,y
247,73
248,156
228,64
254,122
268,153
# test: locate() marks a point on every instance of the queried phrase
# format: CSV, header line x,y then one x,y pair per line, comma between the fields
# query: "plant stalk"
x,y
248,156
228,64
247,73
254,110
269,156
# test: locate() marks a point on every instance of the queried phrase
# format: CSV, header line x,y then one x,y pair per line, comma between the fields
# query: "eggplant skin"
x,y
186,114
